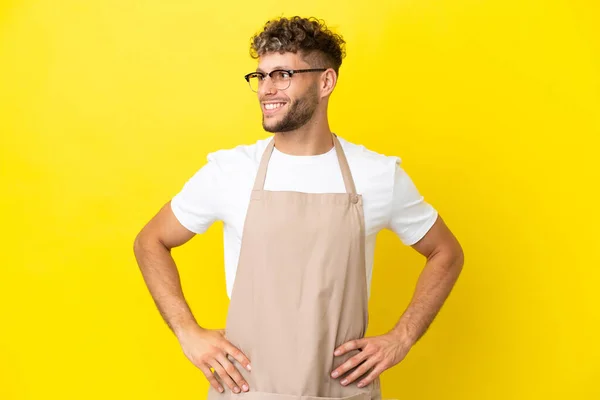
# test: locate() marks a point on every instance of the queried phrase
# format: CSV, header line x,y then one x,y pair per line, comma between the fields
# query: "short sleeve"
x,y
411,216
196,206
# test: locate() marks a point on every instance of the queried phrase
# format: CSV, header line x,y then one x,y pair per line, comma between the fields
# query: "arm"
x,y
205,348
444,264
152,249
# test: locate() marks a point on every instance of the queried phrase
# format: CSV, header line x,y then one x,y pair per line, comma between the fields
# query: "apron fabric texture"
x,y
300,291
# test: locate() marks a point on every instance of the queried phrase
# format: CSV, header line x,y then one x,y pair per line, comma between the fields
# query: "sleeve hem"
x,y
414,238
181,220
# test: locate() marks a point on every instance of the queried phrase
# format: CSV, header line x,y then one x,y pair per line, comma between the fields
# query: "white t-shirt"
x,y
220,191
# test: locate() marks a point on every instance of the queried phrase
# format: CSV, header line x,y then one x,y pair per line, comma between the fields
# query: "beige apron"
x,y
300,291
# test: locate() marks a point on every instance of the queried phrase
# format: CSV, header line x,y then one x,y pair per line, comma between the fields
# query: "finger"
x,y
219,370
358,372
212,379
233,372
237,354
350,345
349,364
372,376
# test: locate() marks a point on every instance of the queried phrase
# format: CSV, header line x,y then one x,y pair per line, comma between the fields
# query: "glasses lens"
x,y
281,79
253,81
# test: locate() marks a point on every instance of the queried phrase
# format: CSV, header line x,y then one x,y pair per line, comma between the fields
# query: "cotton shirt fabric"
x,y
220,191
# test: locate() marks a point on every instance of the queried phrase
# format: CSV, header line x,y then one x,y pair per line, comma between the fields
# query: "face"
x,y
289,109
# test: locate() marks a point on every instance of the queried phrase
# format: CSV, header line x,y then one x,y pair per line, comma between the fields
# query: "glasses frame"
x,y
290,72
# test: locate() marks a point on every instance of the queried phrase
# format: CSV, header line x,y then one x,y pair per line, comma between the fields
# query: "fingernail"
x,y
344,381
249,367
221,390
334,374
337,352
236,389
361,384
245,387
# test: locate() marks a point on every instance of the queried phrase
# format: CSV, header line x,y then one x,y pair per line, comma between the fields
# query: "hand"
x,y
377,353
208,349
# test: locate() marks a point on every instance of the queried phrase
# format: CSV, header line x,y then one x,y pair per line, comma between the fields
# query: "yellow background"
x,y
107,107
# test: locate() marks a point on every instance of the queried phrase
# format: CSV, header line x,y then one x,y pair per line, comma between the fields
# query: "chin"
x,y
270,126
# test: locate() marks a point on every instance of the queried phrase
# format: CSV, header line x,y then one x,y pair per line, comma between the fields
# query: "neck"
x,y
311,139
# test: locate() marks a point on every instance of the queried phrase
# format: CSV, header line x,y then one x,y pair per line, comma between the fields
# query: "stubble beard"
x,y
300,112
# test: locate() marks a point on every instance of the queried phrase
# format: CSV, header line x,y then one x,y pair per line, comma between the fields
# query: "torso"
x,y
373,175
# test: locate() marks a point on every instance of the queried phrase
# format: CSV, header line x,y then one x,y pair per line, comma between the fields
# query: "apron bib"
x,y
300,291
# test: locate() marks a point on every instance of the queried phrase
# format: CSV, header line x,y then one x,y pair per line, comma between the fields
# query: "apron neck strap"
x,y
261,175
346,174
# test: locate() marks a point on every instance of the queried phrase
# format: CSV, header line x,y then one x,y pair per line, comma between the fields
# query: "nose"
x,y
266,87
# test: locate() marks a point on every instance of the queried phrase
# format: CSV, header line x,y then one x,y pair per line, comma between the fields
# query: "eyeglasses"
x,y
281,78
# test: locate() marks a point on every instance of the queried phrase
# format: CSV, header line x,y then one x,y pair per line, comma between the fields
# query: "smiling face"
x,y
289,109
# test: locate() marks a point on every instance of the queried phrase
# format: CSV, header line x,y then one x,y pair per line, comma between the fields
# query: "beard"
x,y
299,113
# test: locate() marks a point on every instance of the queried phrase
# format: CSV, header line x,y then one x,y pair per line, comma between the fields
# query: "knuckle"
x,y
352,376
225,378
230,369
237,376
219,370
197,360
212,353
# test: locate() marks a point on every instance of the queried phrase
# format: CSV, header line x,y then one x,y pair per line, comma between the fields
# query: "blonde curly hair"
x,y
309,36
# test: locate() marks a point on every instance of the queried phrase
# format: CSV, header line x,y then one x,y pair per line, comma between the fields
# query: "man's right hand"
x,y
208,349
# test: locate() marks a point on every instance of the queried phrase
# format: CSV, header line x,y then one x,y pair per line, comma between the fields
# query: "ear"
x,y
328,82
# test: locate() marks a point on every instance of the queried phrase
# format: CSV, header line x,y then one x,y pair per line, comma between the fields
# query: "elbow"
x,y
451,258
450,255
457,260
459,256
145,242
140,243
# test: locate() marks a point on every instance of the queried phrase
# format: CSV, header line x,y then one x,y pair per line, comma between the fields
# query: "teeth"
x,y
272,106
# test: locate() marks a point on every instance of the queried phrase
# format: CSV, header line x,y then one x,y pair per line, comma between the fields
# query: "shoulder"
x,y
370,167
228,168
238,158
374,175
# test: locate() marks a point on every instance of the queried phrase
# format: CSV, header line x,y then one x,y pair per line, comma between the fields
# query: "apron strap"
x,y
261,175
346,174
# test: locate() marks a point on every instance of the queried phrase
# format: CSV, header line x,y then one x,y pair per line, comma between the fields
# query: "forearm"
x,y
162,279
433,287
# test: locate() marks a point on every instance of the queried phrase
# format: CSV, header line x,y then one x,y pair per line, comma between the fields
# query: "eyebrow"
x,y
277,67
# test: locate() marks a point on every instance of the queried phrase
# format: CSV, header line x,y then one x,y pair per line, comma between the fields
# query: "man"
x,y
301,212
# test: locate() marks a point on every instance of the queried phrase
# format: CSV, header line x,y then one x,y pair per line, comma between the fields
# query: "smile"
x,y
272,108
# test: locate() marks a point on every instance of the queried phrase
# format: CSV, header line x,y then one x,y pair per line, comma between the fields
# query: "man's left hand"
x,y
377,354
